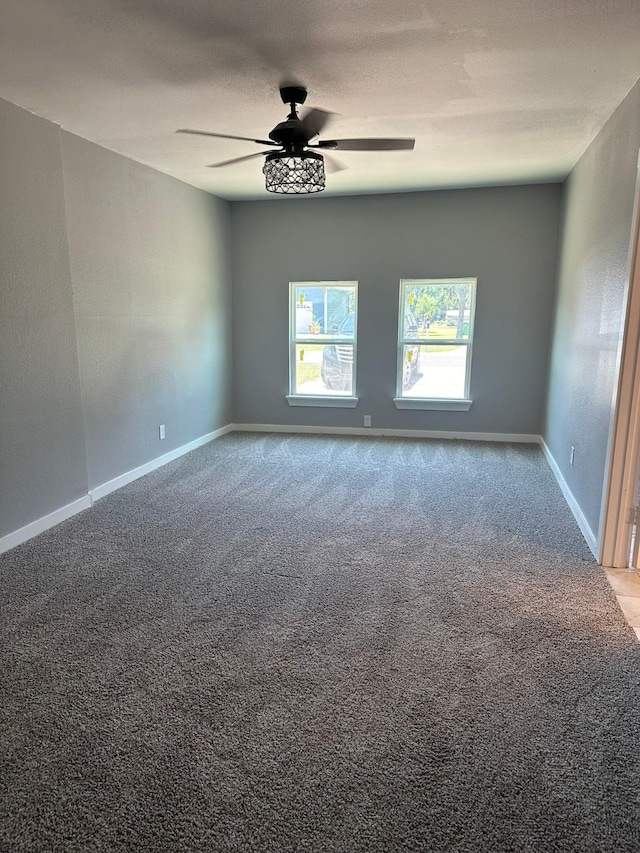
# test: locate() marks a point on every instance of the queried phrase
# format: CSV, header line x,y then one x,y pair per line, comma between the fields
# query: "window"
x,y
435,337
322,343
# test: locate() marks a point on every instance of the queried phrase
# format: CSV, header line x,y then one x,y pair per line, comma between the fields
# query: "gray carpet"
x,y
319,644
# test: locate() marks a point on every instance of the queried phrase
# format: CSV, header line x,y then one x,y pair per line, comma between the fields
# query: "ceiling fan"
x,y
298,166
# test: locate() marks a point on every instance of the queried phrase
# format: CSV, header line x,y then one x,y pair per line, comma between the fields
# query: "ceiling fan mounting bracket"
x,y
293,94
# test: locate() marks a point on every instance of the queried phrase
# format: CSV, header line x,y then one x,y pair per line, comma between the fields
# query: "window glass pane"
x,y
439,311
324,369
434,371
324,310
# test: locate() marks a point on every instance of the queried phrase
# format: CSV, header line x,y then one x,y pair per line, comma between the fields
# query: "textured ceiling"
x,y
495,91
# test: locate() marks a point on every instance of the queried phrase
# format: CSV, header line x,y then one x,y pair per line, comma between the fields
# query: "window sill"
x,y
329,402
432,405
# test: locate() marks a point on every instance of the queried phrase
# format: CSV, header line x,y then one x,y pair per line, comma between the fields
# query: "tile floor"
x,y
626,585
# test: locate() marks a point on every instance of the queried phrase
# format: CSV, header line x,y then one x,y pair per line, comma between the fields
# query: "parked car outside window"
x,y
337,360
411,364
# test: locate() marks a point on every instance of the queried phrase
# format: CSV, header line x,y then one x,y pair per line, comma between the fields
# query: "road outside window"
x,y
322,338
435,337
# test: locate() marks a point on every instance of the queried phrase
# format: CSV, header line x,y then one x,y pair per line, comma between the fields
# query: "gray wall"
x,y
144,260
42,453
152,293
593,277
507,237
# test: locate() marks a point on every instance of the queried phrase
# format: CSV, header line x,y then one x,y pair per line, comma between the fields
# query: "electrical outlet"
x,y
573,455
367,420
161,431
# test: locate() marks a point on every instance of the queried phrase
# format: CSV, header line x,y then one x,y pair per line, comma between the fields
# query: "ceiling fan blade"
x,y
333,165
367,144
226,136
236,160
313,121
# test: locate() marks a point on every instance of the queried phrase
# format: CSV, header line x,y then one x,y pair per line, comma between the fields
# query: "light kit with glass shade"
x,y
298,167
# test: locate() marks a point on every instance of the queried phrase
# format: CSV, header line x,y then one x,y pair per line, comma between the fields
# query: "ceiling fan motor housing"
x,y
290,134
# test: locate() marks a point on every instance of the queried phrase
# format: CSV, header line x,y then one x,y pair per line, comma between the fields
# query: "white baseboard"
x,y
41,524
583,524
522,438
17,537
129,476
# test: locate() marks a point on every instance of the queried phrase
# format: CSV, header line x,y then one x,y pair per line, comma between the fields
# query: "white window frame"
x,y
435,403
327,400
